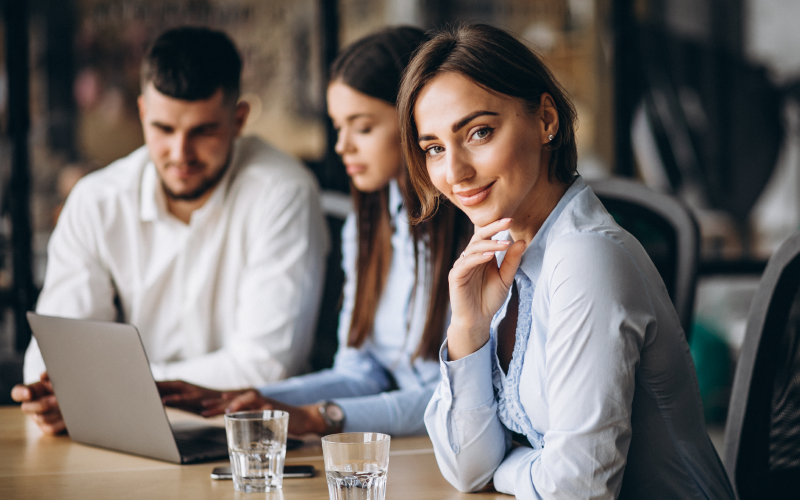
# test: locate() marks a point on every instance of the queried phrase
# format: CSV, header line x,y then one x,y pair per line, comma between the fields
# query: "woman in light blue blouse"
x,y
565,373
395,304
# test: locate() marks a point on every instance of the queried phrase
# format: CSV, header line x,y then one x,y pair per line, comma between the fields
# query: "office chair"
x,y
666,229
762,434
335,205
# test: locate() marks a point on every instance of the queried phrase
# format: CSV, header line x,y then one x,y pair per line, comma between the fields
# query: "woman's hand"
x,y
478,288
302,419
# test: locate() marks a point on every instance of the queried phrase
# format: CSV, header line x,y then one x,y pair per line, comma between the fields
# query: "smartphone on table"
x,y
289,471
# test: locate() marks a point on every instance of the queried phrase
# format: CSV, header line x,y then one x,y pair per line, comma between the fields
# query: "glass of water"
x,y
356,464
257,447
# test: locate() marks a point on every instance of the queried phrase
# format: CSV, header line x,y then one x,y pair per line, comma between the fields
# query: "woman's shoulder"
x,y
585,222
585,234
587,246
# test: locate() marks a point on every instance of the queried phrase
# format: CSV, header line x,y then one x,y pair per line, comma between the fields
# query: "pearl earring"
x,y
551,137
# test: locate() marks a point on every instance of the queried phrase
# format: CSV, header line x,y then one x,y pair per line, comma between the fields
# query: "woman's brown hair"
x,y
374,66
498,62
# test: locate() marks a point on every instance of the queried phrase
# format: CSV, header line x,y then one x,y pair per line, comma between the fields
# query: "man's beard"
x,y
207,185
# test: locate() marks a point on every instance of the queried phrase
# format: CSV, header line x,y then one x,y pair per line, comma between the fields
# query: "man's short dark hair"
x,y
192,63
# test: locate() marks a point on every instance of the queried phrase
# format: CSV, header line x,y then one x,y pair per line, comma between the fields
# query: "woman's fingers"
x,y
486,232
464,266
250,400
483,246
511,261
225,402
212,407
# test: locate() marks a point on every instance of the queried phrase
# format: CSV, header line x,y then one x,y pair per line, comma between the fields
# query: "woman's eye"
x,y
366,130
482,133
434,150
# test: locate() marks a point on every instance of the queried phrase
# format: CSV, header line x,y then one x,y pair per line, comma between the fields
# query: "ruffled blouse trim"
x,y
509,407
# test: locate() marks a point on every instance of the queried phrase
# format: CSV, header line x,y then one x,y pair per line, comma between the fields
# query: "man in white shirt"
x,y
212,245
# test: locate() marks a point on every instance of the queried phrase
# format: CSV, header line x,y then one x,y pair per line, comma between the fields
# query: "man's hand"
x,y
210,402
39,402
186,396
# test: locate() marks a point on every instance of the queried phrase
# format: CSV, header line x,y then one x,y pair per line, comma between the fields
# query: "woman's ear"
x,y
548,116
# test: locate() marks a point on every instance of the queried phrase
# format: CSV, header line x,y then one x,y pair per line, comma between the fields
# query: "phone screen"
x,y
289,471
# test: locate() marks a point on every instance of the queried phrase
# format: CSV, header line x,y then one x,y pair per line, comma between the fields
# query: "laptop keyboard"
x,y
196,445
210,443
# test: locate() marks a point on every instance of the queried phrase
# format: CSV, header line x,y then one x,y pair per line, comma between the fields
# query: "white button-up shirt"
x,y
228,300
600,382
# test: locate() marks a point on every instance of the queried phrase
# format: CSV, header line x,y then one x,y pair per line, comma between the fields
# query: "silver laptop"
x,y
107,395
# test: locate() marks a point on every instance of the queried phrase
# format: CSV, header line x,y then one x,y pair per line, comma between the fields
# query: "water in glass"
x,y
259,468
357,481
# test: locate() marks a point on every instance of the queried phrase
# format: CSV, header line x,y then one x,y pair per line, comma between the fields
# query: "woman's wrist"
x,y
314,423
464,339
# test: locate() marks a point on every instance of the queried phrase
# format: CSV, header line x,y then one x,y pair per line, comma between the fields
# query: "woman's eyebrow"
x,y
357,115
460,123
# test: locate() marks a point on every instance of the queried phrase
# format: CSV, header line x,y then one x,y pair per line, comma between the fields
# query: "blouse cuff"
x,y
469,378
515,467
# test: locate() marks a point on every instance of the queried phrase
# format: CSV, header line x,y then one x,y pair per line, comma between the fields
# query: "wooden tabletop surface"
x,y
34,466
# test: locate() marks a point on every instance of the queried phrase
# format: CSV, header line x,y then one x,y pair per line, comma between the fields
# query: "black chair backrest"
x,y
762,434
335,206
666,229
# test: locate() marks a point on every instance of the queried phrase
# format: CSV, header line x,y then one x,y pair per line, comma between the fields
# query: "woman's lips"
x,y
355,168
472,197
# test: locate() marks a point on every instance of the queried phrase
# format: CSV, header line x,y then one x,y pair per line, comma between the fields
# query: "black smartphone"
x,y
289,471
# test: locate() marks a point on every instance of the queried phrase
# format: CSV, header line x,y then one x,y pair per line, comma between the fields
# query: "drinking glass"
x,y
257,448
356,464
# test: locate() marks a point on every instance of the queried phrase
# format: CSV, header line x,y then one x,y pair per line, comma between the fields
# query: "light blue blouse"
x,y
377,386
601,381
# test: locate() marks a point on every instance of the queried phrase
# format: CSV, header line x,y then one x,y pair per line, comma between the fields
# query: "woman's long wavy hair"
x,y
374,66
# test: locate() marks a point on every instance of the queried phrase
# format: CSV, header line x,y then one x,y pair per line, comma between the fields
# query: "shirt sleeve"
x,y
468,438
598,318
360,386
278,296
358,376
76,285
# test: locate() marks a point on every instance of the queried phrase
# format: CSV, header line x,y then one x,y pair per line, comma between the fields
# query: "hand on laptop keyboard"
x,y
186,396
210,402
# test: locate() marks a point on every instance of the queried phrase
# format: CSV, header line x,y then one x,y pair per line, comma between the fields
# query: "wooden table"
x,y
34,466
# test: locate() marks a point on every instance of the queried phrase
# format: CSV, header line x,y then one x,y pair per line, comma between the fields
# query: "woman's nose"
x,y
342,143
458,168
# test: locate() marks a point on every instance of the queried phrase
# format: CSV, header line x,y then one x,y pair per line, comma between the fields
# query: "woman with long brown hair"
x,y
562,335
395,302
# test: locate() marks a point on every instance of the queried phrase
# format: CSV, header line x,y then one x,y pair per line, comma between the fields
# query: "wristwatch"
x,y
333,416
